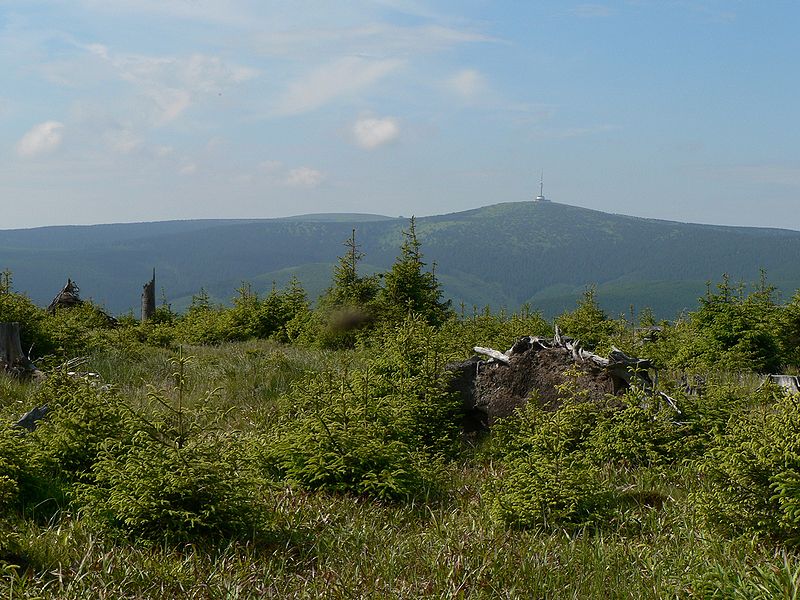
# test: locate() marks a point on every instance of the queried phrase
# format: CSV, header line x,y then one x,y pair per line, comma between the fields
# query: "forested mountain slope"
x,y
502,255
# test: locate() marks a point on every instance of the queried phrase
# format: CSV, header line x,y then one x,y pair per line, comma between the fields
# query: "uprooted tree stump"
x,y
495,388
12,358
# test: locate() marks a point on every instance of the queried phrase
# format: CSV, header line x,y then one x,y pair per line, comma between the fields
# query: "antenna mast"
x,y
540,197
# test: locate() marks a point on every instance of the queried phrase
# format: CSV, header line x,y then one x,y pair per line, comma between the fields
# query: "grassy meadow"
x,y
338,545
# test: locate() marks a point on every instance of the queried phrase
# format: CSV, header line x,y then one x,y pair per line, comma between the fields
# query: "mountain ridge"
x,y
503,254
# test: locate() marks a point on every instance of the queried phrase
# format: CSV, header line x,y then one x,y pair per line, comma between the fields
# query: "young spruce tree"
x,y
409,288
348,306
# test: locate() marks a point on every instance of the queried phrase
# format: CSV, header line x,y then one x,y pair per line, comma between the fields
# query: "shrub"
x,y
589,323
79,329
752,473
178,477
497,331
203,323
733,330
382,430
545,477
81,417
13,452
154,491
641,432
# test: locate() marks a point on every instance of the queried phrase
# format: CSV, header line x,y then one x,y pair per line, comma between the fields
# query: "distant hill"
x,y
502,255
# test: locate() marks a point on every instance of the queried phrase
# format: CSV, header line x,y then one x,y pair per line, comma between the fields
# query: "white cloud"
x,y
343,77
41,139
467,83
188,169
371,133
304,177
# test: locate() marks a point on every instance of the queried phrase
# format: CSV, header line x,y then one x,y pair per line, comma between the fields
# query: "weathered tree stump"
x,y
12,358
149,299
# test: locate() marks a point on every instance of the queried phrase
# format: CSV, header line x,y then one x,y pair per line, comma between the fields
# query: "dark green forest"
x,y
502,256
271,447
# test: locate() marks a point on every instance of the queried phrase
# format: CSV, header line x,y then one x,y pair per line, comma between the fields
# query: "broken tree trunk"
x,y
149,299
68,297
12,358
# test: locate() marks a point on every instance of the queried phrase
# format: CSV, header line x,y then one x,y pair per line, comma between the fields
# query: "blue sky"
x,y
141,110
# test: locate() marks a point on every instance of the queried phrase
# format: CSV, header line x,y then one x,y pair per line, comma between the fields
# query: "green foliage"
x,y
348,287
79,330
545,478
278,316
82,416
203,323
154,491
34,323
642,432
790,331
752,473
552,462
461,335
348,306
409,289
282,315
13,455
733,330
589,323
380,430
178,477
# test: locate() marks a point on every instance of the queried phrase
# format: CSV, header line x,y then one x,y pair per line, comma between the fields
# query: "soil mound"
x,y
494,388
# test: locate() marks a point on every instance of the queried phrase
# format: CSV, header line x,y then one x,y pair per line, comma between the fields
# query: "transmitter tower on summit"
x,y
540,197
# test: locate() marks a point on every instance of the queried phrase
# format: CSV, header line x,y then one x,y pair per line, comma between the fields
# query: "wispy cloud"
x,y
467,83
343,77
41,139
220,12
304,177
371,133
188,168
173,83
123,140
373,39
592,11
276,173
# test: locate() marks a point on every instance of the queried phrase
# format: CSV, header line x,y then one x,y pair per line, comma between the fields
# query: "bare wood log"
x,y
495,354
29,419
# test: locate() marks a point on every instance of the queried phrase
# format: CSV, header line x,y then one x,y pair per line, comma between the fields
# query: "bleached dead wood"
x,y
790,383
495,354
